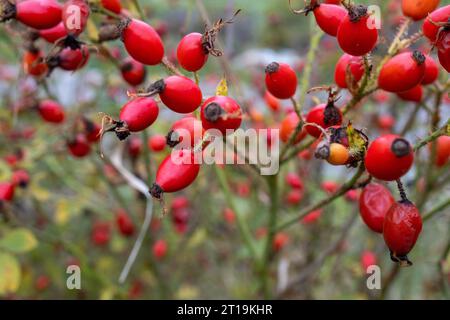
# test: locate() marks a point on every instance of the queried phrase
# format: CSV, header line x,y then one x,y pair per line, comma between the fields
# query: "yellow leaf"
x,y
187,292
107,294
39,193
9,274
19,240
197,238
62,212
356,140
222,88
92,30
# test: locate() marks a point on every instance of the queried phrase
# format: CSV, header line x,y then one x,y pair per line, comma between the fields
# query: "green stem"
x,y
148,167
430,214
342,190
316,35
242,226
436,134
271,230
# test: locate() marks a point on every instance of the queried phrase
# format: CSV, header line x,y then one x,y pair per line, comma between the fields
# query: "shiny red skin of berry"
x,y
281,82
329,18
51,111
382,163
177,171
312,217
430,29
181,94
73,59
374,202
20,178
368,258
294,197
431,71
189,131
39,14
134,146
355,38
52,34
181,216
386,122
443,46
415,94
101,233
157,142
280,241
159,249
143,43
139,113
42,283
30,65
353,64
180,202
442,150
75,26
79,147
190,53
231,118
124,223
329,186
6,191
316,115
133,72
112,5
401,73
287,128
352,195
229,216
402,226
294,181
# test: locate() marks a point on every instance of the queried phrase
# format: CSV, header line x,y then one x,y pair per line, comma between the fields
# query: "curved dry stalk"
x,y
139,185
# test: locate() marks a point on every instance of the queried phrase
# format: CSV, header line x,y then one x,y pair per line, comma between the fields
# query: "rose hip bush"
x,y
108,105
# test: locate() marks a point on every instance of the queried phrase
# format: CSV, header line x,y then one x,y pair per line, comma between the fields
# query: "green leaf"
x,y
9,273
19,241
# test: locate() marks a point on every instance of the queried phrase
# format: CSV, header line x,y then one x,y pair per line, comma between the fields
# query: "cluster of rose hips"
x,y
389,157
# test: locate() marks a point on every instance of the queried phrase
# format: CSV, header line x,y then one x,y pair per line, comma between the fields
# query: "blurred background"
x,y
69,211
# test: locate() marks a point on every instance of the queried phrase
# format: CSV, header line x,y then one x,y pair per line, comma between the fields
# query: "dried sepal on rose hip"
x,y
389,157
324,115
186,132
194,48
356,34
136,115
281,80
177,171
402,72
328,16
342,146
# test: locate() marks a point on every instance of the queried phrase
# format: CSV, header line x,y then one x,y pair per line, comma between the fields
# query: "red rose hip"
x,y
403,72
374,203
281,80
402,226
389,157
